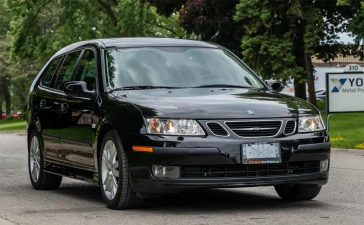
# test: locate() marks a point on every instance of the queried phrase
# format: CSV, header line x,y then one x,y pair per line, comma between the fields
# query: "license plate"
x,y
261,153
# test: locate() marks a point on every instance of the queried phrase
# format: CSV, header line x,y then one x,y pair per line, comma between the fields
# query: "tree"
x,y
356,24
211,20
4,72
36,29
280,37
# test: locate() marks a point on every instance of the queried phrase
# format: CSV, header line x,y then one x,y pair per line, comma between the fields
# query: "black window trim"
x,y
73,72
78,65
55,73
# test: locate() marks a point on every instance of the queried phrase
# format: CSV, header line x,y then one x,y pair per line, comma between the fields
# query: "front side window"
x,y
66,71
49,72
179,67
87,69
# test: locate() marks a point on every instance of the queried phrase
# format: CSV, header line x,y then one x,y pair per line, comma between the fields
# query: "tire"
x,y
114,177
40,179
297,192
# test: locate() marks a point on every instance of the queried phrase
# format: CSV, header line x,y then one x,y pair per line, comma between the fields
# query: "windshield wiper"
x,y
142,87
223,85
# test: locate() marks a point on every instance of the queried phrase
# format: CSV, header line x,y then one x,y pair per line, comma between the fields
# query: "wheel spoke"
x,y
34,172
107,184
114,186
105,160
115,172
109,169
37,169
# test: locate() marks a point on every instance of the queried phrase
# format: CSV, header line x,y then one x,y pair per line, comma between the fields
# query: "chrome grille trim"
x,y
279,130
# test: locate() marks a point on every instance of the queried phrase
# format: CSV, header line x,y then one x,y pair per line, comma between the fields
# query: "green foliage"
x,y
39,28
356,25
281,37
211,20
267,42
33,30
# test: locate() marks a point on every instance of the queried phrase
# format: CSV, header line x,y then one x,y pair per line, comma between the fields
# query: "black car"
x,y
149,116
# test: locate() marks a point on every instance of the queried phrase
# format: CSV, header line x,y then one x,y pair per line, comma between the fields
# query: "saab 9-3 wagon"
x,y
150,116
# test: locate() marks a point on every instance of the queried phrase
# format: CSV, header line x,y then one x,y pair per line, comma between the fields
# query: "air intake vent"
x,y
255,128
217,129
290,127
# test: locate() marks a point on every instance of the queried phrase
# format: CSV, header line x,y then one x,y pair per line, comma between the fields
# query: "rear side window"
x,y
86,70
49,72
66,71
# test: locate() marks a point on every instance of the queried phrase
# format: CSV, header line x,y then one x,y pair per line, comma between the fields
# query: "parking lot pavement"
x,y
340,202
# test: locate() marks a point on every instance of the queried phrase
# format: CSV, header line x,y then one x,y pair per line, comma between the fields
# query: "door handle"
x,y
43,104
64,107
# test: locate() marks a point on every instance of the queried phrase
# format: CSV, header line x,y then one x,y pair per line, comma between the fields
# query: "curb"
x,y
347,149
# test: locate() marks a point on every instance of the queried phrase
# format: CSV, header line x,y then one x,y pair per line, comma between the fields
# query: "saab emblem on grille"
x,y
250,112
256,128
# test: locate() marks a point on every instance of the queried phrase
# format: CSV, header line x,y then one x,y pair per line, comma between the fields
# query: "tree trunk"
x,y
310,80
1,106
8,103
300,88
299,52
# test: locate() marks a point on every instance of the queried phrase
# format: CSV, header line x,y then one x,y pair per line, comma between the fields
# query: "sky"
x,y
346,38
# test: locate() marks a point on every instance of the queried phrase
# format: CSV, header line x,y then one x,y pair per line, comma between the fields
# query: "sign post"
x,y
345,91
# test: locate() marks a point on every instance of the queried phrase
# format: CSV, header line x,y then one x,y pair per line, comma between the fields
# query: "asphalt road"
x,y
340,202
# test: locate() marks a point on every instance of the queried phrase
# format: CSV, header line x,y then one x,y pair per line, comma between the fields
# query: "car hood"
x,y
215,103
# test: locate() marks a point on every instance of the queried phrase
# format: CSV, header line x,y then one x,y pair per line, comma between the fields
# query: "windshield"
x,y
176,67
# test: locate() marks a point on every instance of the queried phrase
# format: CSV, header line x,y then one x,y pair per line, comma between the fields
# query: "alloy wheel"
x,y
34,158
110,170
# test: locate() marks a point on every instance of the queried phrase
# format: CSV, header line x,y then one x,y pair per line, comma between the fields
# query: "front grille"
x,y
290,127
255,128
217,129
242,170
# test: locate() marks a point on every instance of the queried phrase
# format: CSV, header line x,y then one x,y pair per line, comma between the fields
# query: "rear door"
x,y
76,137
47,110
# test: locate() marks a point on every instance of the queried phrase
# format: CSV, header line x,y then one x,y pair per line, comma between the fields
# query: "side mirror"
x,y
78,89
275,85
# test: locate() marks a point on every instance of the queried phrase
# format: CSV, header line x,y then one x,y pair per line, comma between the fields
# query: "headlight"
x,y
174,127
310,124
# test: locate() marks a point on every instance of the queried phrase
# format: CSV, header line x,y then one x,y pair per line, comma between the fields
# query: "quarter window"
x,y
49,72
87,69
66,71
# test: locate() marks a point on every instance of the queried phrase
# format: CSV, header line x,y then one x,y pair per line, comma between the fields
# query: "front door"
x,y
76,137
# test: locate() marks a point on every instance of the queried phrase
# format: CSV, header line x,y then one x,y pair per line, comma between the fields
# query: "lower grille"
x,y
255,128
288,168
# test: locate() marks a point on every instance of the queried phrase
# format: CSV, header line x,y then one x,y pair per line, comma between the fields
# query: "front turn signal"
x,y
142,149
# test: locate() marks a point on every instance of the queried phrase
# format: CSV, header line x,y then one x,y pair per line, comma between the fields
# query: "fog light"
x,y
166,171
324,165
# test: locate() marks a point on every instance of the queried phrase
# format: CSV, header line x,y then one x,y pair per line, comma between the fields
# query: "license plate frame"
x,y
261,153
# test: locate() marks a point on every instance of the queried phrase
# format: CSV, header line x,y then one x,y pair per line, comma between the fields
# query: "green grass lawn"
x,y
347,130
12,126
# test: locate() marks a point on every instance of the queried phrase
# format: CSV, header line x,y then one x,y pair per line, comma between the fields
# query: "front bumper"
x,y
214,157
